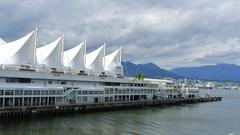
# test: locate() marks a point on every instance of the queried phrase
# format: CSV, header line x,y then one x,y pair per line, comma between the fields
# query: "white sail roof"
x,y
75,57
19,52
112,60
2,41
51,54
95,59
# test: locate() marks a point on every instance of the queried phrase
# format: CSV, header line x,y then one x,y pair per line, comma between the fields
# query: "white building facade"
x,y
48,75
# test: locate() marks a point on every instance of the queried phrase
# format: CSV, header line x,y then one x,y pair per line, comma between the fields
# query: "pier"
x,y
51,110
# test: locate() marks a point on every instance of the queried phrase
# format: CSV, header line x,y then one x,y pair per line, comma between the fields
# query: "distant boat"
x,y
205,87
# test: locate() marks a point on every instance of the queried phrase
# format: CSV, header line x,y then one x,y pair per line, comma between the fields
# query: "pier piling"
x,y
42,111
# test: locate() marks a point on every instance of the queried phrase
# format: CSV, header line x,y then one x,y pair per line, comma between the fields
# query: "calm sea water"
x,y
215,118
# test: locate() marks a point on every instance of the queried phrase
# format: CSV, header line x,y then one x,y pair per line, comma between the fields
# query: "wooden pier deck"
x,y
22,112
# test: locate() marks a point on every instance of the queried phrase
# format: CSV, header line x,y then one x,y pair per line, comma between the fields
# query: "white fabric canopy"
x,y
51,54
95,59
113,62
19,52
75,57
2,41
24,52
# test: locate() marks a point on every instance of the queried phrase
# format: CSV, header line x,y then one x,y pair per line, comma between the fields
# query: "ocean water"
x,y
214,118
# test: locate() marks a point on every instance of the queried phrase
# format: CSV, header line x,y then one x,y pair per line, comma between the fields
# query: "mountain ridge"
x,y
150,70
218,72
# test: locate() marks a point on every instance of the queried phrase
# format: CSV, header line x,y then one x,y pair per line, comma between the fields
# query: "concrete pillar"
x,y
22,101
3,98
31,101
47,101
3,102
40,101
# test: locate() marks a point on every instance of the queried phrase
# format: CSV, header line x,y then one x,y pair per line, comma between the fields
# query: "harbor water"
x,y
213,118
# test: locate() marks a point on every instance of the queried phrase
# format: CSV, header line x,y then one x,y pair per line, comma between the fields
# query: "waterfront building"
x,y
49,76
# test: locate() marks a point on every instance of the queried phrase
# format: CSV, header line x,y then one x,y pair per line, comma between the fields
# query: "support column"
x,y
40,101
3,102
13,104
3,98
22,101
47,101
31,101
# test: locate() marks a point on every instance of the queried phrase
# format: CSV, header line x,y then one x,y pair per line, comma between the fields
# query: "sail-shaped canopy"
x,y
51,54
75,57
19,52
113,59
113,62
2,41
95,60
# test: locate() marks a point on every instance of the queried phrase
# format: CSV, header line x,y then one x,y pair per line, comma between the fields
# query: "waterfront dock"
x,y
23,112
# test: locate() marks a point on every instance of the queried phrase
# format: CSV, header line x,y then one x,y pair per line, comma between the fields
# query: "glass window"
x,y
79,92
135,91
59,92
84,92
27,92
111,91
18,92
90,92
106,91
116,91
36,92
44,92
8,92
120,91
58,99
1,92
52,92
79,98
139,91
84,99
63,82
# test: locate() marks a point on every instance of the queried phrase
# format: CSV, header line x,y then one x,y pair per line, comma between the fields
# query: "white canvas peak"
x,y
74,58
19,52
95,59
51,54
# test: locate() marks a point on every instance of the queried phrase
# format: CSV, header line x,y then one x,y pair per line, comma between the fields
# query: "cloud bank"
x,y
168,33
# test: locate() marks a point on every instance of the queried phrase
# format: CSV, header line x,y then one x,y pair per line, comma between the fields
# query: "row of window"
x,y
28,80
31,92
129,84
129,91
82,99
90,92
117,91
171,91
83,92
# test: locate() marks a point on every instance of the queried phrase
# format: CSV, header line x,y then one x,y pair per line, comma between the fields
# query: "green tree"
x,y
136,76
139,76
142,76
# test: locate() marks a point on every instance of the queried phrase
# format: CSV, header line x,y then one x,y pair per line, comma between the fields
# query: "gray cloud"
x,y
168,33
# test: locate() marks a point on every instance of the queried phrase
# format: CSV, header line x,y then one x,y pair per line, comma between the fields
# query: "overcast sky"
x,y
169,33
